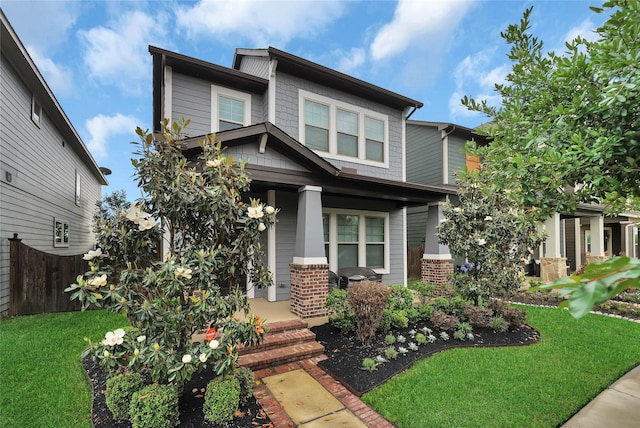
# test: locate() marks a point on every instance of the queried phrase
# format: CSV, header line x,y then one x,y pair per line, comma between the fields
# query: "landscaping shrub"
x,y
385,322
340,314
499,324
399,319
478,316
400,298
245,380
221,399
120,389
413,315
458,305
444,322
424,312
368,300
516,317
155,406
441,304
424,291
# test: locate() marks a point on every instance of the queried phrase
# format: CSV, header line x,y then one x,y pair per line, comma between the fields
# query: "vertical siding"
x,y
424,155
416,225
43,180
257,66
287,202
457,157
287,88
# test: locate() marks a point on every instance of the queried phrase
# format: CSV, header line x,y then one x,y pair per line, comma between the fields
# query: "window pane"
x,y
65,237
347,122
224,126
348,145
317,138
375,255
231,110
347,255
374,129
58,232
348,228
375,150
375,229
316,114
325,227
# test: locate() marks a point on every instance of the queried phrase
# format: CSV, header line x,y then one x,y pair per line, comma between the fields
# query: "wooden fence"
x,y
414,262
38,280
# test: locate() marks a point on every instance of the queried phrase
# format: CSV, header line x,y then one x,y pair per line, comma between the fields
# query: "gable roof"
x,y
321,172
21,61
296,65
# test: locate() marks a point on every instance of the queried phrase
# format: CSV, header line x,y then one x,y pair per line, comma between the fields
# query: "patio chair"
x,y
355,274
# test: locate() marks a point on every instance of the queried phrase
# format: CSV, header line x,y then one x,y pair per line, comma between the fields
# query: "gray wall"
x,y
416,225
424,155
43,180
457,158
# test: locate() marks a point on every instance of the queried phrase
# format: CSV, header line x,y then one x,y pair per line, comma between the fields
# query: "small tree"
x,y
494,236
213,243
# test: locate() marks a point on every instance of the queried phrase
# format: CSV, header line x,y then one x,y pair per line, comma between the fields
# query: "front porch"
x,y
272,312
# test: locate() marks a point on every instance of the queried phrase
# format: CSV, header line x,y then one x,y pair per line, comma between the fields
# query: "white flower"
x,y
488,218
444,220
261,227
481,241
134,213
214,163
255,212
186,358
113,338
106,353
92,254
98,281
214,344
457,209
146,223
203,358
183,272
141,339
269,209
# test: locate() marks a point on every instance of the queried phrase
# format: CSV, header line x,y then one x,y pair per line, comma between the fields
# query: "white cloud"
x,y
420,24
258,22
586,29
476,76
103,129
58,77
350,60
117,54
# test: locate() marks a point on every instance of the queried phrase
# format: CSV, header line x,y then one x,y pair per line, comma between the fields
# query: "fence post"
x,y
15,273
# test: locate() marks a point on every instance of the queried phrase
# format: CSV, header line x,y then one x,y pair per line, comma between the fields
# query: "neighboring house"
x,y
325,148
49,183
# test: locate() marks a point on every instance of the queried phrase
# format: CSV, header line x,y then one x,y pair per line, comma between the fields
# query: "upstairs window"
x,y
229,109
36,110
342,131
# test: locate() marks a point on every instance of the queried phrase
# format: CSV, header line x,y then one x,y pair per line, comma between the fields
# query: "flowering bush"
x,y
492,233
212,244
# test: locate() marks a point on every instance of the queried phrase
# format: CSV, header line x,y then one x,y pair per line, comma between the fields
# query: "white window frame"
x,y
332,257
65,225
333,128
36,110
216,92
77,188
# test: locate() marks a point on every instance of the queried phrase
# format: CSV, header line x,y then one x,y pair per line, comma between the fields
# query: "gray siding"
x,y
287,202
43,180
416,225
424,155
258,66
457,157
287,87
271,158
191,99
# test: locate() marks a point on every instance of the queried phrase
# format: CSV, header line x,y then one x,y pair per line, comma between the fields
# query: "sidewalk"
x,y
617,406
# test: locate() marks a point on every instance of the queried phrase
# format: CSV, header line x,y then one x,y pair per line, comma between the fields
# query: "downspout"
x,y
445,152
415,108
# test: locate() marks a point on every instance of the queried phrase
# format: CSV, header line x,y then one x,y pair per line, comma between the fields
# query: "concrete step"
x,y
281,355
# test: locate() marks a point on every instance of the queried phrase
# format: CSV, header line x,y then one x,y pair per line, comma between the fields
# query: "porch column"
x,y
437,262
309,270
552,264
596,224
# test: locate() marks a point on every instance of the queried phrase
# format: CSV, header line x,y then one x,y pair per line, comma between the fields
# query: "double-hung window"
x,y
229,109
356,238
343,131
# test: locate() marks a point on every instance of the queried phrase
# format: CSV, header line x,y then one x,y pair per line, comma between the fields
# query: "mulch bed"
x,y
190,405
346,353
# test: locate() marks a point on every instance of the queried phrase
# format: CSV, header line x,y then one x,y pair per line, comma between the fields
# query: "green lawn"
x,y
42,381
540,385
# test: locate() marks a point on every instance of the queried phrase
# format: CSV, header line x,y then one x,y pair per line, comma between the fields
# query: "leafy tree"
x,y
568,131
494,236
213,244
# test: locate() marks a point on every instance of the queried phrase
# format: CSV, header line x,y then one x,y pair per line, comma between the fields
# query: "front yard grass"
x,y
539,385
42,380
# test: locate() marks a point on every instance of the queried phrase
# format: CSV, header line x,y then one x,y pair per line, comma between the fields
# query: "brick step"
x,y
281,355
279,339
288,325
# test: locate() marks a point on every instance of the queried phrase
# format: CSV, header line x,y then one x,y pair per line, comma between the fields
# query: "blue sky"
x,y
94,54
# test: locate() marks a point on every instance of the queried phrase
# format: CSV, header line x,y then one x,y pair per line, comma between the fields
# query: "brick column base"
x,y
436,271
552,268
309,288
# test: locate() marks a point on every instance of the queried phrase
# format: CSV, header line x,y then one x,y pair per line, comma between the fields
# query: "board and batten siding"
x,y
191,99
424,155
416,225
457,157
42,184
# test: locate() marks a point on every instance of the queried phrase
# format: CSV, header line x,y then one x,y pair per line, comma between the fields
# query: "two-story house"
x,y
327,149
49,183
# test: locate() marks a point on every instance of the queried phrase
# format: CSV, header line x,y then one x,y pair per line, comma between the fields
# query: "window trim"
x,y
362,113
216,92
36,110
332,257
65,225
